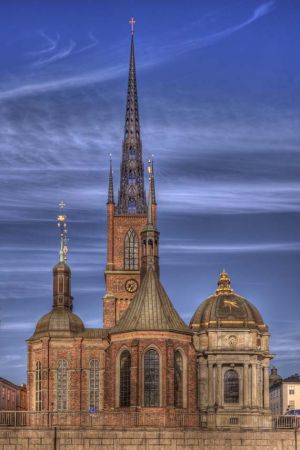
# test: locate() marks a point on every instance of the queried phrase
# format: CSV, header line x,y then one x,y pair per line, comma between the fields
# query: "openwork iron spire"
x,y
110,195
63,229
132,198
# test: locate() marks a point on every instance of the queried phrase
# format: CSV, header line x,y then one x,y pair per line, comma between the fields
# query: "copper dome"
x,y
58,323
226,309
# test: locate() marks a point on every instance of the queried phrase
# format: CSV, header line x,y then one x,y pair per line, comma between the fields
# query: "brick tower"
x,y
126,219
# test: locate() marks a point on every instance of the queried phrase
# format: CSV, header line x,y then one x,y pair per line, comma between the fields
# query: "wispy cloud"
x,y
263,247
51,45
48,86
260,11
62,53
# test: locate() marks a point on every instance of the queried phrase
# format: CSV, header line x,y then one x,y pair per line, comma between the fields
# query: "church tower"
x,y
126,219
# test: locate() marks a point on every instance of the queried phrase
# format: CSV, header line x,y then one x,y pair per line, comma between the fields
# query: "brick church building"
x,y
146,366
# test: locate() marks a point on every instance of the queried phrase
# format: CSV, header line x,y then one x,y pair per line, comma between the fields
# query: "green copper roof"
x,y
151,309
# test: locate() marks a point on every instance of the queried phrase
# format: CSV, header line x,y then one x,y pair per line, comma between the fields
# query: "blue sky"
x,y
219,92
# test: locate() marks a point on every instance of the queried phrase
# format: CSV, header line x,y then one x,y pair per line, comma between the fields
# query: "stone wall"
x,y
130,439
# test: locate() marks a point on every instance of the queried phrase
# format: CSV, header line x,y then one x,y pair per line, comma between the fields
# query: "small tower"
x,y
61,272
56,337
110,211
150,234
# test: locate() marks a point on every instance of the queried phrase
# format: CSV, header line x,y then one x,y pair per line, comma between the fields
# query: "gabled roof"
x,y
151,309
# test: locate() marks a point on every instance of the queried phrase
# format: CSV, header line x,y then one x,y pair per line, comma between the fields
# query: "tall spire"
x,y
132,198
110,195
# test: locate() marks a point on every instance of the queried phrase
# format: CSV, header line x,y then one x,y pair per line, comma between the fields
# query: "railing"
x,y
143,419
286,421
128,419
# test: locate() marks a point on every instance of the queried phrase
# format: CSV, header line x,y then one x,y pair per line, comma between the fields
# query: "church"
x,y
146,366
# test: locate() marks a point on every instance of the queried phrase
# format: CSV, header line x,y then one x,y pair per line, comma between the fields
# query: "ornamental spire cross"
x,y
132,23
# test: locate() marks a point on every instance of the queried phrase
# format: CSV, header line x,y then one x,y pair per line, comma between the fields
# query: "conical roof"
x,y
151,310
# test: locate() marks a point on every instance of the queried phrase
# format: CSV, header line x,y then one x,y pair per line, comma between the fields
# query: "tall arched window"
x,y
231,386
125,366
131,206
178,380
131,251
62,385
94,384
151,378
38,386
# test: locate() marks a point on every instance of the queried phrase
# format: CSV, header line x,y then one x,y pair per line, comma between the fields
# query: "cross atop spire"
x,y
132,22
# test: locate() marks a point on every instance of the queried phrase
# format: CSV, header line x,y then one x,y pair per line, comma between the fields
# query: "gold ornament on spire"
x,y
63,228
224,286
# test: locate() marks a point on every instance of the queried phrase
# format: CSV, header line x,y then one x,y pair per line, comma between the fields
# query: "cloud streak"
x,y
264,247
258,13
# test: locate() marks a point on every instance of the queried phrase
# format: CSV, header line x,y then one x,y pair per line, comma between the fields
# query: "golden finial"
x,y
62,225
224,286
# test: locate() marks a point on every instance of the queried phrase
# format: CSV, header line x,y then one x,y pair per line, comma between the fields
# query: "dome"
x,y
226,309
57,323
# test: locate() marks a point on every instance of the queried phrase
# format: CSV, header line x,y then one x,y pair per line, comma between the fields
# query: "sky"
x,y
219,97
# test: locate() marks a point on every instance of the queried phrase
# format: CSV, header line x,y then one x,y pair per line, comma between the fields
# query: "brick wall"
x,y
129,439
165,343
115,275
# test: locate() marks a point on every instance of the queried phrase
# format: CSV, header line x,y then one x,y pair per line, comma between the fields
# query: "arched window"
x,y
125,366
231,386
38,386
151,378
131,153
131,251
178,380
62,385
94,384
131,206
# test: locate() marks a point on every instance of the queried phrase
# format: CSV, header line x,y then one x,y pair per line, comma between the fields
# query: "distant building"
x,y
12,396
284,393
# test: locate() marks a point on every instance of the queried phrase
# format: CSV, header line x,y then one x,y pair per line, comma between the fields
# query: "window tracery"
x,y
62,385
125,367
38,386
94,384
131,251
151,378
231,386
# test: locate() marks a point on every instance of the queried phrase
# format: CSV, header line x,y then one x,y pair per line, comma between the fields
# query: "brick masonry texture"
x,y
130,439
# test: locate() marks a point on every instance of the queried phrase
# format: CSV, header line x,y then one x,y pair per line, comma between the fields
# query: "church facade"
x,y
146,366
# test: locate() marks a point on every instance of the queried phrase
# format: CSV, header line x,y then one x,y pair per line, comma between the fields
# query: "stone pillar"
x,y
45,374
210,385
246,385
254,386
259,385
202,384
266,388
170,373
219,385
134,374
